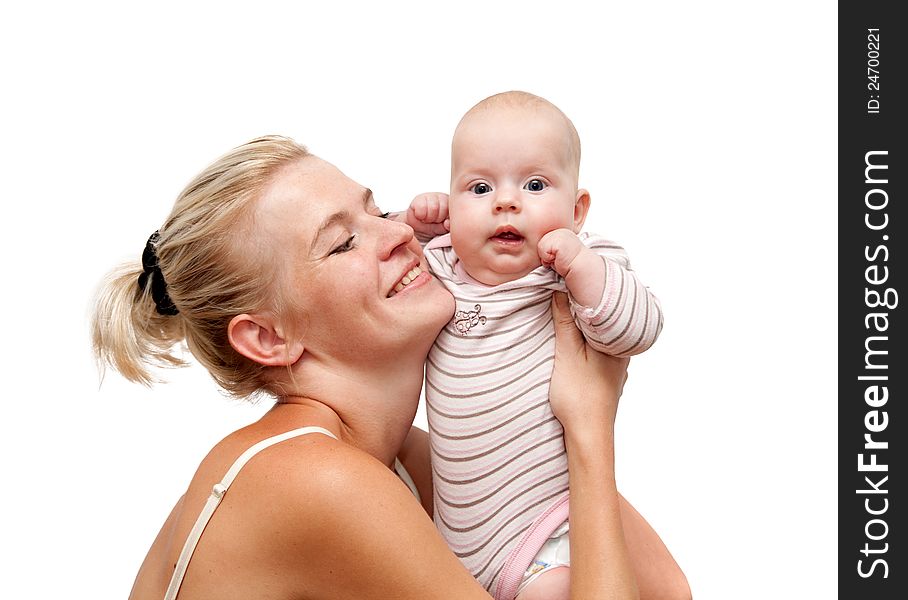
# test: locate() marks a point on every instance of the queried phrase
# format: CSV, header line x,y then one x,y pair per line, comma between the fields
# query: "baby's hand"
x,y
558,249
428,215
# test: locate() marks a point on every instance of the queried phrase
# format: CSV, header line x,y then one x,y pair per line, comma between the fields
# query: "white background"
x,y
709,146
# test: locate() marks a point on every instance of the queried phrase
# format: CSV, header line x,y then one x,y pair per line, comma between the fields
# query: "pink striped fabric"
x,y
498,457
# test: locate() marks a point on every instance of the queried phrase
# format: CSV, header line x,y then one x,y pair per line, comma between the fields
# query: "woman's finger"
x,y
568,338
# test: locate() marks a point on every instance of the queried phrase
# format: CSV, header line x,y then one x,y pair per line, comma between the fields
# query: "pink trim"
x,y
529,545
441,241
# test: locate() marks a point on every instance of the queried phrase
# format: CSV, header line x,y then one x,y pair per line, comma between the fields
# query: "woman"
x,y
284,278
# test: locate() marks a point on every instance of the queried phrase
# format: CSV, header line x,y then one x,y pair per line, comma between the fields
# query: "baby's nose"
x,y
507,202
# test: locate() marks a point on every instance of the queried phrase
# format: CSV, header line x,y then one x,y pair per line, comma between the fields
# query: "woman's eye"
x,y
535,185
481,188
346,246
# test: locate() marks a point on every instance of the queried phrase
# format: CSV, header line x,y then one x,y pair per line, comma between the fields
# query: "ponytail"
x,y
214,270
128,333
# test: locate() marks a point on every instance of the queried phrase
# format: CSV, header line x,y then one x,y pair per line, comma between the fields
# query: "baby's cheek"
x,y
455,212
461,242
468,248
460,228
555,220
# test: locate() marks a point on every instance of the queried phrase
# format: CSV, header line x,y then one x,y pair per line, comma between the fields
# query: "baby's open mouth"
x,y
507,234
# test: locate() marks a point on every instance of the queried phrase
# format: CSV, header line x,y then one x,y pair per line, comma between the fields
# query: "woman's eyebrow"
x,y
338,217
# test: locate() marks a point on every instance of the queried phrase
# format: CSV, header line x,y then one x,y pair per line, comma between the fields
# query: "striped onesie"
x,y
499,466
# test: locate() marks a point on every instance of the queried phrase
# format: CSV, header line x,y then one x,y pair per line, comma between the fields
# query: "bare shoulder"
x,y
321,469
341,521
336,483
309,517
315,469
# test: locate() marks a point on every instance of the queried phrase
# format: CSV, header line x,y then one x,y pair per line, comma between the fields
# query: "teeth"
x,y
407,279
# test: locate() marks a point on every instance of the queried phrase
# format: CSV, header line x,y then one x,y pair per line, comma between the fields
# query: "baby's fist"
x,y
558,249
428,214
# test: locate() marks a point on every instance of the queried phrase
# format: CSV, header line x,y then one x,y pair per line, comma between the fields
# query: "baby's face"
x,y
513,179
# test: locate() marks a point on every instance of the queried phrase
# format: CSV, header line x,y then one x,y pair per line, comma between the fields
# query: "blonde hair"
x,y
525,100
213,269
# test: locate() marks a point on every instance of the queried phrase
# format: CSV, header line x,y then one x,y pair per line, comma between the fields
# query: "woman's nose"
x,y
394,235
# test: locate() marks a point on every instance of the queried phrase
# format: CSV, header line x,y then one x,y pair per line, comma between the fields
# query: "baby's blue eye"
x,y
535,185
481,188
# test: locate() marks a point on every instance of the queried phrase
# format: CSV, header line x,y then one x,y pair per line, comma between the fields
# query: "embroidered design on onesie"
x,y
465,320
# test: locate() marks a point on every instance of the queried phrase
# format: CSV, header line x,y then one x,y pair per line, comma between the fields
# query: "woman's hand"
x,y
586,384
584,394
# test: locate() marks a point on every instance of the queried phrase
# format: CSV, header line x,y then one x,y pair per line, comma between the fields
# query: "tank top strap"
x,y
404,476
217,493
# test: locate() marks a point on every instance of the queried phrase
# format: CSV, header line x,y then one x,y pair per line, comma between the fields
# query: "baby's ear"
x,y
259,338
581,208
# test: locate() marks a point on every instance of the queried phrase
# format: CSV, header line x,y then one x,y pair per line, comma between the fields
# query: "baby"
x,y
515,213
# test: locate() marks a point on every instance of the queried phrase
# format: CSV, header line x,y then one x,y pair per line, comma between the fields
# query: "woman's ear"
x,y
581,208
260,339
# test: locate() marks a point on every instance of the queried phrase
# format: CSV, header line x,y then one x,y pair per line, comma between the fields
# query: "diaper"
x,y
555,552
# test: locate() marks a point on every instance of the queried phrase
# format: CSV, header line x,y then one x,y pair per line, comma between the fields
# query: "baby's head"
x,y
515,161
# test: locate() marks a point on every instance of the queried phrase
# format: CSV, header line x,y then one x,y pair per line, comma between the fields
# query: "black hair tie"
x,y
162,302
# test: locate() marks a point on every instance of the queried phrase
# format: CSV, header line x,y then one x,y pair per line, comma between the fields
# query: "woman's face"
x,y
360,279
